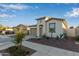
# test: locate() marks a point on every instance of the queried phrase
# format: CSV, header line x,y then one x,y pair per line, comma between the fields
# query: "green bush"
x,y
65,35
57,37
77,38
43,36
46,37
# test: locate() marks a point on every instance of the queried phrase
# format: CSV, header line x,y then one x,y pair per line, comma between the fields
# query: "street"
x,y
5,38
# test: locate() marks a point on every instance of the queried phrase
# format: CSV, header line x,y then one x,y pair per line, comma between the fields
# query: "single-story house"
x,y
21,27
8,30
47,26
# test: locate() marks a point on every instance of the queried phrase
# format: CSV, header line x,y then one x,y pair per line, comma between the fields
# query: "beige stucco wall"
x,y
59,29
41,22
63,26
71,32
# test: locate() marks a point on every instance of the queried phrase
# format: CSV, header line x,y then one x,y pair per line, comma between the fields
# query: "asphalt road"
x,y
5,38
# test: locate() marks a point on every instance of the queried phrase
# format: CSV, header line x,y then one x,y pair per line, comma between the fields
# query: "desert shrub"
x,y
43,36
77,38
61,36
57,37
46,37
65,35
18,38
27,52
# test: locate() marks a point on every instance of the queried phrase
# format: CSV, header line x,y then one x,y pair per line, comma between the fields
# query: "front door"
x,y
41,30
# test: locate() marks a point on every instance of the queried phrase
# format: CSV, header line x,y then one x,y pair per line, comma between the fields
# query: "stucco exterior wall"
x,y
58,28
45,29
41,22
64,27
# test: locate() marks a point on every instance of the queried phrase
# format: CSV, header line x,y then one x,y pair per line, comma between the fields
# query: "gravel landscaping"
x,y
67,44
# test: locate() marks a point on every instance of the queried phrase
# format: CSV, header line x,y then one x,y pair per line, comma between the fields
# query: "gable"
x,y
54,21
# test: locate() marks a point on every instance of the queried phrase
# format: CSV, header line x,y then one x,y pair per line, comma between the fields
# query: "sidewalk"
x,y
44,50
5,45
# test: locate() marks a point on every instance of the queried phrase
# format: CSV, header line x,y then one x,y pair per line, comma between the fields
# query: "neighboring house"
x,y
21,27
47,26
9,29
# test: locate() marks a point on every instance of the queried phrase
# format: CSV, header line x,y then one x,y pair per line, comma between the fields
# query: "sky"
x,y
12,14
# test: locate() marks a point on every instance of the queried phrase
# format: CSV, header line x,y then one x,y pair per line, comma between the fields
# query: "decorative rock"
x,y
5,54
0,54
76,42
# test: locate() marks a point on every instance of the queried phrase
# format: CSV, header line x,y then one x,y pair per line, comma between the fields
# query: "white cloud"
x,y
4,7
6,15
73,13
13,6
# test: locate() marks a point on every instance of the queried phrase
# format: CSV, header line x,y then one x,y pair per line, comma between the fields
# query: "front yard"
x,y
17,49
67,44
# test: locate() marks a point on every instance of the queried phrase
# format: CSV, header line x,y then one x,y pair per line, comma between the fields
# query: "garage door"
x,y
33,31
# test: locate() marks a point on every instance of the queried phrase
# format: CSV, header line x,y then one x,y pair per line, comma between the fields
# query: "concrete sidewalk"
x,y
5,45
44,50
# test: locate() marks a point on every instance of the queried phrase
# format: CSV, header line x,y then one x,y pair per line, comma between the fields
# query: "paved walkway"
x,y
44,50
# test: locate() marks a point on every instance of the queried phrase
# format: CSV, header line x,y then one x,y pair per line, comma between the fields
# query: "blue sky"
x,y
26,13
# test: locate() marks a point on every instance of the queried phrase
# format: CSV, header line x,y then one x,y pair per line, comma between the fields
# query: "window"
x,y
51,27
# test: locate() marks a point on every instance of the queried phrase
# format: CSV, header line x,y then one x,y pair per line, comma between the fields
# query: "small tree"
x,y
18,49
18,38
